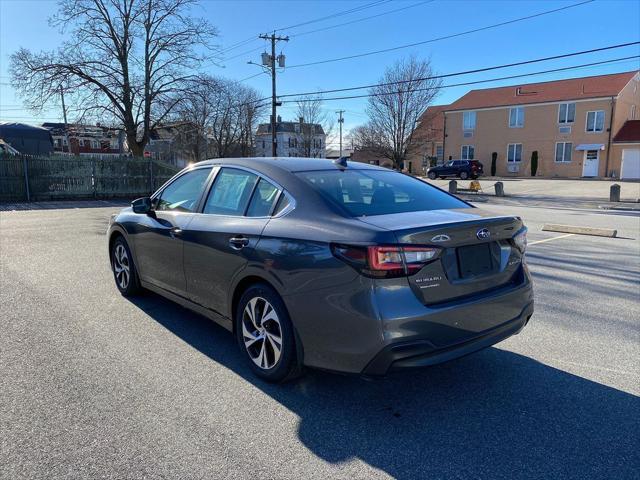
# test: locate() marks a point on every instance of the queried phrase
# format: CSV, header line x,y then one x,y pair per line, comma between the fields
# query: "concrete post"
x,y
453,187
499,189
614,193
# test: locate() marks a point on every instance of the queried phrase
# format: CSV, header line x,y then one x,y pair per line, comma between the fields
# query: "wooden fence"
x,y
34,178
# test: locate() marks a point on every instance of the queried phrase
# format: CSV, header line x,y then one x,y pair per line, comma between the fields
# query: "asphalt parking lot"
x,y
93,385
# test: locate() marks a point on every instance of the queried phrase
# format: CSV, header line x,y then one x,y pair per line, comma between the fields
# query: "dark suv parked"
x,y
457,168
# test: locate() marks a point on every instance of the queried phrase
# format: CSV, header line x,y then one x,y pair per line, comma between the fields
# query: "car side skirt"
x,y
186,303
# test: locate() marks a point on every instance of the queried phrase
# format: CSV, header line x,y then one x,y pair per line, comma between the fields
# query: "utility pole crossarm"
x,y
272,60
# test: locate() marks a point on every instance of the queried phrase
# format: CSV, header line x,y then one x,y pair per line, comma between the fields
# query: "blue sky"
x,y
593,25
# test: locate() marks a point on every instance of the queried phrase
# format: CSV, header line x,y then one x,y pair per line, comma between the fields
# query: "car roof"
x,y
290,164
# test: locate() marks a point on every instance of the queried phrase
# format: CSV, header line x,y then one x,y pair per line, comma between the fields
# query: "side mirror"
x,y
141,205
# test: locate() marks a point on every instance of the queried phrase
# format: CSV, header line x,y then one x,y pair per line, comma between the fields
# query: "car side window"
x,y
182,194
283,203
264,196
230,192
450,164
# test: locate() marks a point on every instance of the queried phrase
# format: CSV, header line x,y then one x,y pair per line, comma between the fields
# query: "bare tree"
x,y
394,107
222,115
128,60
310,109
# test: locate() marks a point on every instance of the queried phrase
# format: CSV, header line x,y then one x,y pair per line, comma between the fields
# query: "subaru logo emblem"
x,y
441,238
483,234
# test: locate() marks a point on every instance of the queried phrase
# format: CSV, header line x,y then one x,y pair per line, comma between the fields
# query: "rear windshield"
x,y
377,192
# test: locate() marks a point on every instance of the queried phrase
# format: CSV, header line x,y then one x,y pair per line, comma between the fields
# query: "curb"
x,y
598,232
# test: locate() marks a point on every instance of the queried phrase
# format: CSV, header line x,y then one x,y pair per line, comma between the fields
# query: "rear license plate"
x,y
474,260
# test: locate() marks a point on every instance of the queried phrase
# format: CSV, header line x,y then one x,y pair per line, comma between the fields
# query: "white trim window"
x,y
467,152
595,121
514,153
468,120
566,113
516,117
95,144
563,152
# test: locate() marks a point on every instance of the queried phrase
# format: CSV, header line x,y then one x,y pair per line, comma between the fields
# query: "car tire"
x,y
265,335
432,175
124,268
464,175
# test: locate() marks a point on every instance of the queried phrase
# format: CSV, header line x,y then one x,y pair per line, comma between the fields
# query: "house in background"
x,y
570,123
176,143
79,139
294,139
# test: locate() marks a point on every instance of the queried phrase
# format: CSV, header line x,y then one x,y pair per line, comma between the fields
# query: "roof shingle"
x,y
557,90
629,133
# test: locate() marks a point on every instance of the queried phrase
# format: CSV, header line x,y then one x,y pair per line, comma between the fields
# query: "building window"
x,y
439,152
81,142
94,144
514,152
516,117
563,152
632,115
467,152
469,120
64,141
595,121
57,142
566,112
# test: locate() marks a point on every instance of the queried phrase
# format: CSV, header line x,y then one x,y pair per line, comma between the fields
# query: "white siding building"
x,y
295,139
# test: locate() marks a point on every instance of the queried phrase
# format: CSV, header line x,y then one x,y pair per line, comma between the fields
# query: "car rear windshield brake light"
x,y
386,261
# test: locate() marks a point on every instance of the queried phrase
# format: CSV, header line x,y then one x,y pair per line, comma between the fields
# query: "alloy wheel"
x,y
121,266
262,333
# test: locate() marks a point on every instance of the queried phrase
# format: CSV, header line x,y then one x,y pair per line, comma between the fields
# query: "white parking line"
x,y
553,238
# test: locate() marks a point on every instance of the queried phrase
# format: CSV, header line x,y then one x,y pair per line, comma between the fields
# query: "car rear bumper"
x,y
365,329
421,353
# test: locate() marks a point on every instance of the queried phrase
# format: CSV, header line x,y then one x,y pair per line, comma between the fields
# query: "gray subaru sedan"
x,y
339,265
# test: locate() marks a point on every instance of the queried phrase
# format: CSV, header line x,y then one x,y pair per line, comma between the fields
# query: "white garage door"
x,y
630,163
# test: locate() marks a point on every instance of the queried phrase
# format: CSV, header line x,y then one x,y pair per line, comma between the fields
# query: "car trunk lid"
x,y
477,255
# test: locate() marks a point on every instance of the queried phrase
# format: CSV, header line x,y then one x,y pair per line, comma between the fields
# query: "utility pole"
x,y
66,128
272,66
340,121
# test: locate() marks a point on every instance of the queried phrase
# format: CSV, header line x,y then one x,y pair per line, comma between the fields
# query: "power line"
x,y
437,39
331,27
466,72
360,19
380,94
333,15
244,53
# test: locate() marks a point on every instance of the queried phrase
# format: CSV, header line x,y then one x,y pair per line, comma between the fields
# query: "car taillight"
x,y
520,240
386,261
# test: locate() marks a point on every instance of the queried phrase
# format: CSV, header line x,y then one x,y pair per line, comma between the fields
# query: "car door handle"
x,y
238,243
175,232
